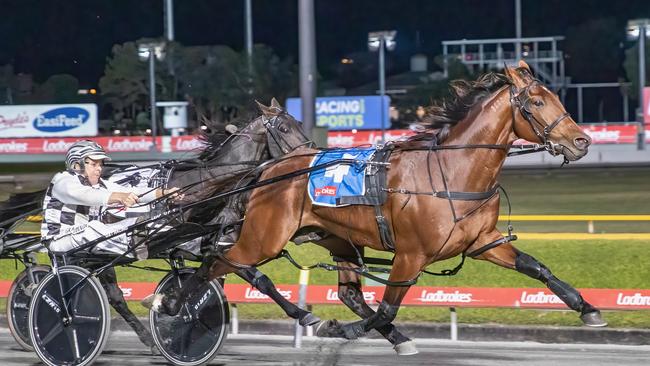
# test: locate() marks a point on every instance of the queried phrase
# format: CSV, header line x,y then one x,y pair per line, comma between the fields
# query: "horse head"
x,y
284,133
272,134
542,116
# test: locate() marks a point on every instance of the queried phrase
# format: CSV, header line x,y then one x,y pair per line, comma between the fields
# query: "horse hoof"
x,y
153,302
353,331
329,329
406,348
154,350
593,319
309,319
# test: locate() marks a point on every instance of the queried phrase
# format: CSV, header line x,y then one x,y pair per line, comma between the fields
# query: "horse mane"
x,y
464,95
214,136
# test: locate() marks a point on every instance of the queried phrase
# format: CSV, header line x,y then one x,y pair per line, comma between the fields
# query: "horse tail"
x,y
20,205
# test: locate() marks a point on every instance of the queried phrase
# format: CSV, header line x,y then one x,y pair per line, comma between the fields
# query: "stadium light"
x,y
378,41
151,52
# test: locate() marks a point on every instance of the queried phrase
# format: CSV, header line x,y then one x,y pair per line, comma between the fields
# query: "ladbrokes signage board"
x,y
48,120
481,297
113,144
600,134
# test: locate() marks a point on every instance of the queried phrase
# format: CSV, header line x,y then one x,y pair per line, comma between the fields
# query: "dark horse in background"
x,y
271,135
429,179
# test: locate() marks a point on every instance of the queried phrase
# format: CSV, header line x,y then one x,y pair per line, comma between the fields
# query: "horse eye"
x,y
538,103
283,129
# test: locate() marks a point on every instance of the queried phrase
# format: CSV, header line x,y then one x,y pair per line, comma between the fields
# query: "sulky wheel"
x,y
70,329
195,335
18,300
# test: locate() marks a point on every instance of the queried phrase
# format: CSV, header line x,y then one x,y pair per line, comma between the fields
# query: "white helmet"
x,y
83,149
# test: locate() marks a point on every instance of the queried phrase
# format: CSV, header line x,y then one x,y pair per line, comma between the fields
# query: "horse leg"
x,y
351,295
261,282
405,268
108,279
171,302
508,256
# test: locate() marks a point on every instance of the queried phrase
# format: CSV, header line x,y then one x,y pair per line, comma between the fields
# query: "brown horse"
x,y
442,199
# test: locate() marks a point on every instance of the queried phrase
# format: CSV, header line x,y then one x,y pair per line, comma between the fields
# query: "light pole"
x,y
377,41
151,52
307,60
640,28
248,20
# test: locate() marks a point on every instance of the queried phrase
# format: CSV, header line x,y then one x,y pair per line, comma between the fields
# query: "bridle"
x,y
272,126
521,100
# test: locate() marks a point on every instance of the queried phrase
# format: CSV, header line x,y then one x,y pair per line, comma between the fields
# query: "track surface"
x,y
124,349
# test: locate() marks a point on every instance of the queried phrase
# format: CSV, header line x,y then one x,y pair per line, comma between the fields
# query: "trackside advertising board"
x,y
600,134
48,120
346,113
478,297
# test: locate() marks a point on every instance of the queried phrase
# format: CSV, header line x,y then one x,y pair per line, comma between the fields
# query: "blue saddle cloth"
x,y
327,185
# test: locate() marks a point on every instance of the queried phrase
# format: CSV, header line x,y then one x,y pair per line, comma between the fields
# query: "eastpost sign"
x,y
48,120
346,113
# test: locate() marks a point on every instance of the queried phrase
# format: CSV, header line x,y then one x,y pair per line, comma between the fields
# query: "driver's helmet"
x,y
83,149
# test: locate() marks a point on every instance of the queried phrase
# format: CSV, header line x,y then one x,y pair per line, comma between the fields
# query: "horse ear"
x,y
275,104
266,111
515,77
508,71
524,65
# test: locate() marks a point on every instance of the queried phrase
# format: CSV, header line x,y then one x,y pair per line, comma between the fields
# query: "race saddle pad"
x,y
328,185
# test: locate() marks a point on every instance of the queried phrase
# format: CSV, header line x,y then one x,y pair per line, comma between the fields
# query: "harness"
x,y
520,100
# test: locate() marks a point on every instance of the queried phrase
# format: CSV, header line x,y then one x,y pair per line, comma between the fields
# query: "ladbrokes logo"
x,y
254,294
129,145
539,298
13,147
333,295
58,146
188,145
325,191
441,296
633,300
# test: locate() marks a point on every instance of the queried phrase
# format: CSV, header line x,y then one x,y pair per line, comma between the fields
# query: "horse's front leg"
x,y
351,295
508,256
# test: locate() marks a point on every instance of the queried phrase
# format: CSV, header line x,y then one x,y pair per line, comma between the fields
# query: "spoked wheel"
x,y
18,300
195,335
79,338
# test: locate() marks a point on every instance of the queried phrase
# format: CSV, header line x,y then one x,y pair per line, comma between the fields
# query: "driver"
x,y
75,198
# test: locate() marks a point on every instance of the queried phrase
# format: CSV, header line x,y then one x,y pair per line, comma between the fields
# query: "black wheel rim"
x,y
198,328
20,304
73,343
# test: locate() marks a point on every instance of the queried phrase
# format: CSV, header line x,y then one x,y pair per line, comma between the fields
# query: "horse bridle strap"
x,y
271,128
521,100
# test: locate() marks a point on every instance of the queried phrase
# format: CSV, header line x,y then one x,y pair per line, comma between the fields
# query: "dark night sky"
x,y
45,37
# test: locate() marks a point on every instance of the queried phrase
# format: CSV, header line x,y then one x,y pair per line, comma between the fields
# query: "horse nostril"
x,y
581,143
